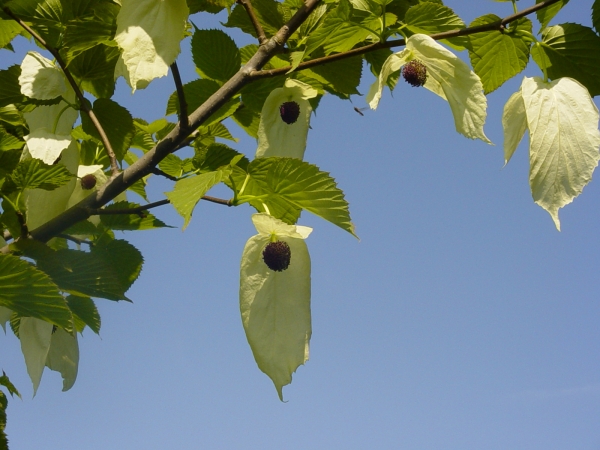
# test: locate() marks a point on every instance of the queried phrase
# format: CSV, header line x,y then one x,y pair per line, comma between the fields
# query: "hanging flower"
x,y
444,74
284,121
275,297
43,345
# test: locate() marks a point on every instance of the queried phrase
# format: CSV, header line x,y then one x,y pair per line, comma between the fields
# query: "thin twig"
x,y
260,33
83,102
220,201
140,210
498,25
78,241
136,210
184,121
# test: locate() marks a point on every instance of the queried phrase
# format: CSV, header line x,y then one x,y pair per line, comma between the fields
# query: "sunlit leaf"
x,y
496,57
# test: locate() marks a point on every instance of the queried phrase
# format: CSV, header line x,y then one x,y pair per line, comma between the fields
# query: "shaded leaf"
x,y
215,54
124,222
31,293
570,50
34,174
116,122
84,313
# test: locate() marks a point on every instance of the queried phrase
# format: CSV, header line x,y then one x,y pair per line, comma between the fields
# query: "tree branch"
x,y
82,100
262,38
177,137
499,26
184,121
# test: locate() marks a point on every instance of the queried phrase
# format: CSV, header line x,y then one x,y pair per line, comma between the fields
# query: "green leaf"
x,y
103,272
255,94
209,6
196,93
570,50
4,381
174,166
10,89
545,15
340,78
8,30
429,18
337,32
564,141
189,191
216,156
287,185
596,15
125,222
95,69
34,174
116,122
215,54
9,142
83,34
84,313
268,13
31,293
497,57
248,119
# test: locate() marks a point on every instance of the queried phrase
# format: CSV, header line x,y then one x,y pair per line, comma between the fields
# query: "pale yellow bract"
x,y
447,76
275,306
277,138
40,78
148,34
564,138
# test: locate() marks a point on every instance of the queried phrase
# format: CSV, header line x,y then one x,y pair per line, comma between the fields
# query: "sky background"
x,y
461,320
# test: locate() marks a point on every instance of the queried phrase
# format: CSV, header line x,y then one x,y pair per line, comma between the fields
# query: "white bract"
x,y
148,34
42,347
49,125
78,192
447,76
275,306
45,145
564,138
275,136
40,78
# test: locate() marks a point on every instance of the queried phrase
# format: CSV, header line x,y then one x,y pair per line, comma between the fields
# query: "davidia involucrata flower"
x,y
275,303
284,121
148,34
447,76
564,139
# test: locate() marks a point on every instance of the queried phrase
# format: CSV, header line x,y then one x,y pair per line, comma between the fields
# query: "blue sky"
x,y
461,320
